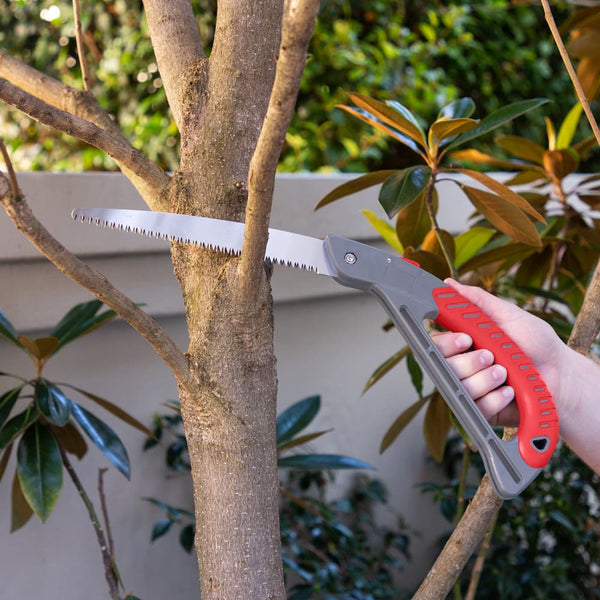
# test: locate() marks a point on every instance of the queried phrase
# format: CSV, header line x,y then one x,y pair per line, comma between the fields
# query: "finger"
x,y
494,405
449,343
484,381
468,364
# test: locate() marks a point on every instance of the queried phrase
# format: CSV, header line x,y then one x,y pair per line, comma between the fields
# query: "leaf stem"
x,y
429,190
109,570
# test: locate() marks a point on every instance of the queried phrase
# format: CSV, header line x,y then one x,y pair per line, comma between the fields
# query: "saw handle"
x,y
538,420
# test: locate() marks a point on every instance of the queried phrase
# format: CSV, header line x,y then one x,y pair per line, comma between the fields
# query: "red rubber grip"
x,y
538,421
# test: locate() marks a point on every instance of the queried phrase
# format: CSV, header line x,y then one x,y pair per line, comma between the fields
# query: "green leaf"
x,y
413,221
17,424
186,537
295,418
401,422
160,528
320,462
385,230
53,404
103,437
386,367
115,410
499,117
392,113
459,109
569,127
403,188
7,402
40,469
436,426
416,374
355,185
81,319
505,216
7,330
470,242
20,511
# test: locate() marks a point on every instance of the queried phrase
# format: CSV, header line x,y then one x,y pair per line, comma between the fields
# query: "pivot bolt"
x,y
350,258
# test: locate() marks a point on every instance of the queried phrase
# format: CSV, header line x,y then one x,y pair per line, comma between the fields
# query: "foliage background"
x,y
421,53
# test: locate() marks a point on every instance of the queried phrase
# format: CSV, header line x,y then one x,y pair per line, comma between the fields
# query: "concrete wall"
x,y
328,341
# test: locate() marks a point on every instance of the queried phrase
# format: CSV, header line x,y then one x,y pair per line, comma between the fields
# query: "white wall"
x,y
328,341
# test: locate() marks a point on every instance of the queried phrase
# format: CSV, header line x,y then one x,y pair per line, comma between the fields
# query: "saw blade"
x,y
283,247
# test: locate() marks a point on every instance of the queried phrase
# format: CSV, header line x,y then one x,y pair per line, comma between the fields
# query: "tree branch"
x,y
21,215
588,321
298,25
177,47
80,47
150,180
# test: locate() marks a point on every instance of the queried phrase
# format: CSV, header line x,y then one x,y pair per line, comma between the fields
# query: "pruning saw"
x,y
409,295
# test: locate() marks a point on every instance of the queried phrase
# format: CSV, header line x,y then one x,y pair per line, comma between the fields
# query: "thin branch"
x,y
169,21
109,571
150,184
81,46
104,508
569,66
20,213
298,25
12,176
115,146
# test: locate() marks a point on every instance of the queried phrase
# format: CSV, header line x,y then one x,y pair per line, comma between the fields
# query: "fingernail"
x,y
463,341
499,373
486,358
508,392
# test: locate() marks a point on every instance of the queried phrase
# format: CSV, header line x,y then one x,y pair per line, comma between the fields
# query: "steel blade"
x,y
283,247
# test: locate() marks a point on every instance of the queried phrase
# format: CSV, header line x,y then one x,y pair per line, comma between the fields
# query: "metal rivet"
x,y
388,260
350,258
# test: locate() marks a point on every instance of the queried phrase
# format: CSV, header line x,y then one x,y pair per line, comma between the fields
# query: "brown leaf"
x,y
478,157
70,439
436,426
21,512
431,243
430,262
400,423
560,163
522,148
46,346
501,190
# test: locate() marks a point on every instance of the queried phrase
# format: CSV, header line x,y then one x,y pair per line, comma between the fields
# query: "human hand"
x,y
481,377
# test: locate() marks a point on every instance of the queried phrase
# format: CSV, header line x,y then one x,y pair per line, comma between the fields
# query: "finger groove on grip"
x,y
538,421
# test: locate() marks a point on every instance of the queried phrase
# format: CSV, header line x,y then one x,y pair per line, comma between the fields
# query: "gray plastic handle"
x,y
406,293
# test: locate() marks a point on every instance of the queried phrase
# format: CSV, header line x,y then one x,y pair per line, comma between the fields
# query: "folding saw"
x,y
410,295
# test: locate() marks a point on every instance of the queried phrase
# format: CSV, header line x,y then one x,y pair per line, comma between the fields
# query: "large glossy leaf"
x,y
446,128
4,460
385,230
522,148
15,426
506,217
400,108
386,367
413,221
393,114
497,118
459,109
436,426
115,410
81,319
20,512
7,330
40,469
403,188
53,404
506,193
7,402
372,120
41,347
433,263
401,422
322,461
103,437
355,185
296,417
561,162
431,243
470,242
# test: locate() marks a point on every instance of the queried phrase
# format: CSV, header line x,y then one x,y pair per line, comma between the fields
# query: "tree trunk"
x,y
230,422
